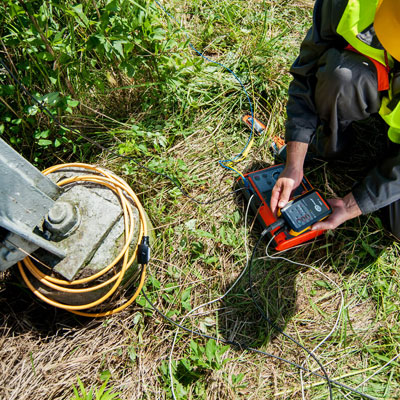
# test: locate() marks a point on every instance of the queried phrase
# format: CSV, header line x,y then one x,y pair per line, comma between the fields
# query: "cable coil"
x,y
126,196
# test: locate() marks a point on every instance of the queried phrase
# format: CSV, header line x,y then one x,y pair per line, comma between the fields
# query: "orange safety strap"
x,y
382,71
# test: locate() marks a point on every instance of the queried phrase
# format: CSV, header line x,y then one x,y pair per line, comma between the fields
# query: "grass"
x,y
177,114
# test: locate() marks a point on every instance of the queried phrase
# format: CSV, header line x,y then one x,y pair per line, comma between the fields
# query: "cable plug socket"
x,y
143,253
278,223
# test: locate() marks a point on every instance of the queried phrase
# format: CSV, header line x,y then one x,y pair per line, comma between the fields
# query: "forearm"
x,y
342,210
379,188
296,153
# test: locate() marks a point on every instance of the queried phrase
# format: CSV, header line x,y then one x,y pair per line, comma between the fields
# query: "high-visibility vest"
x,y
356,27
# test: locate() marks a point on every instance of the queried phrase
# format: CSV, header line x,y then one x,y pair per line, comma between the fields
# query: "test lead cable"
x,y
266,318
229,163
241,346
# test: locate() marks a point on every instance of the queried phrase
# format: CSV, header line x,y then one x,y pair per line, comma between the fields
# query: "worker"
x,y
348,70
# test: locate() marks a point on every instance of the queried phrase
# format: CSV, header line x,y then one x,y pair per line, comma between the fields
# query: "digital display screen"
x,y
305,211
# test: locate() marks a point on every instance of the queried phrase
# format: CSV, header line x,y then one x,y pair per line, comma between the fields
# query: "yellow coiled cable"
x,y
122,189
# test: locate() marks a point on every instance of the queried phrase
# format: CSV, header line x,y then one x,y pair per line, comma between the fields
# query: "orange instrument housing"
x,y
260,184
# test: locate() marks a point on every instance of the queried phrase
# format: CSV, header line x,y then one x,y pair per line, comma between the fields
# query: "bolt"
x,y
58,213
62,220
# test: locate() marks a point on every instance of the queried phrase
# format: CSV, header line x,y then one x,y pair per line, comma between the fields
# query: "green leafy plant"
x,y
65,52
101,393
191,372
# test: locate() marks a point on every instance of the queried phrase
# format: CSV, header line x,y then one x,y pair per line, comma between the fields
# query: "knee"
x,y
335,76
336,80
343,72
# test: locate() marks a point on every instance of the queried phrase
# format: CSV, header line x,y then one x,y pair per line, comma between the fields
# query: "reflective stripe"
x,y
381,70
358,17
394,135
392,118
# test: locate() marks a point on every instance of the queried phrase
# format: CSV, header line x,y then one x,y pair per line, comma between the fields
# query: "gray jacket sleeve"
x,y
381,186
302,119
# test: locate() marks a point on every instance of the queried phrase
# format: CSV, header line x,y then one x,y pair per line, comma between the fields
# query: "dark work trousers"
x,y
346,91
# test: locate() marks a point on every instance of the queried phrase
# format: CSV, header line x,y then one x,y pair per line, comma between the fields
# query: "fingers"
x,y
337,217
288,180
329,223
281,194
276,192
285,194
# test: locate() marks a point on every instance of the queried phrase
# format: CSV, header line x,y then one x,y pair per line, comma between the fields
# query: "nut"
x,y
62,220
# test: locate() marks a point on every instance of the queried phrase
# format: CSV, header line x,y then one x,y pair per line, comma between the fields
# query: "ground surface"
x,y
160,103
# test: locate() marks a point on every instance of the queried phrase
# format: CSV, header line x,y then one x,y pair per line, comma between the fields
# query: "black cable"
x,y
270,322
244,347
45,110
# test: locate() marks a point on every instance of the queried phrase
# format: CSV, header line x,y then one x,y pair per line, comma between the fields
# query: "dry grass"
x,y
44,350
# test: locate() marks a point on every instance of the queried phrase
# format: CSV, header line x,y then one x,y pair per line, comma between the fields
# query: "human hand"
x,y
342,210
291,176
288,180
